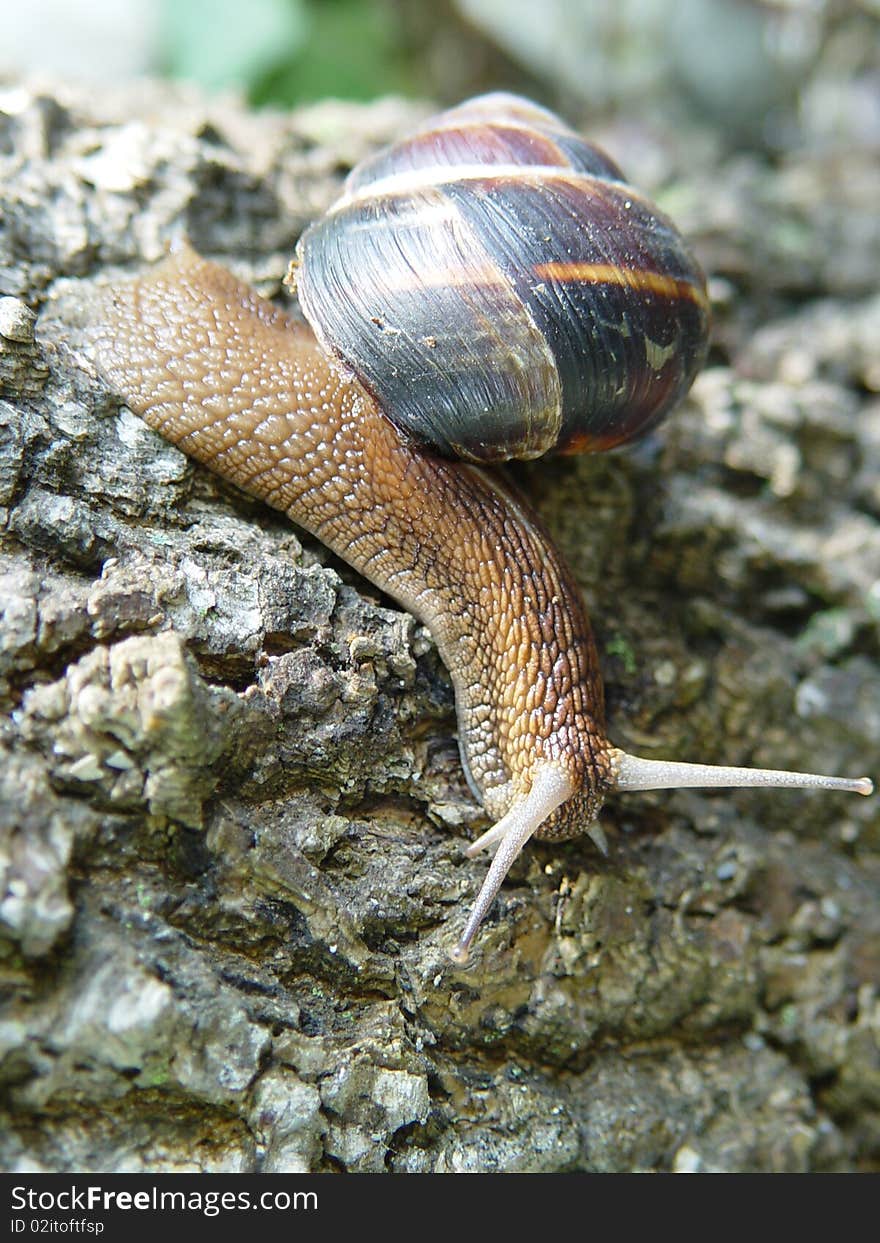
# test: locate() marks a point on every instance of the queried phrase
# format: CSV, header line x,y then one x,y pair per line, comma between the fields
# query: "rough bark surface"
x,y
231,808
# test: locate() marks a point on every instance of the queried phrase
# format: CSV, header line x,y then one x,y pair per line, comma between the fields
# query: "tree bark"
x,y
232,814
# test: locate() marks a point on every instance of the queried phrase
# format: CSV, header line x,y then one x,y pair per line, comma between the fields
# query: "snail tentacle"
x,y
634,773
551,787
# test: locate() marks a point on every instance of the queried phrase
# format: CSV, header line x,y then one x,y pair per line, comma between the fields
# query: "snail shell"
x,y
501,292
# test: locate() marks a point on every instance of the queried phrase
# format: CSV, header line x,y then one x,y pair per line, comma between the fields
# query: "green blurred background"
x,y
290,51
759,73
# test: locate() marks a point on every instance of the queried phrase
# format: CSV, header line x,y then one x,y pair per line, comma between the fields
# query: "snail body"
x,y
428,337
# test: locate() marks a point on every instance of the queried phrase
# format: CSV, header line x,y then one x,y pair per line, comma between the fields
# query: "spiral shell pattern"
x,y
502,292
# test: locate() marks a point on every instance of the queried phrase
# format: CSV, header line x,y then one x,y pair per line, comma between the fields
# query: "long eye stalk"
x,y
551,787
634,773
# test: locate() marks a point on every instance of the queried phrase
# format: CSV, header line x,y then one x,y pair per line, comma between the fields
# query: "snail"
x,y
489,287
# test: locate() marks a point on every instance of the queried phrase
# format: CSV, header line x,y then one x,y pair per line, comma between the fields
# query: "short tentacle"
x,y
551,786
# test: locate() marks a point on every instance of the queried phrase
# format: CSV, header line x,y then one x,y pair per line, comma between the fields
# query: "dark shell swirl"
x,y
501,291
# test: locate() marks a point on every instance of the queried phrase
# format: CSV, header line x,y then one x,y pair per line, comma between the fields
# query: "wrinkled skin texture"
x,y
243,388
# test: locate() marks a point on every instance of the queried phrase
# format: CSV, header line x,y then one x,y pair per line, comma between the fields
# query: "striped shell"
x,y
500,290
